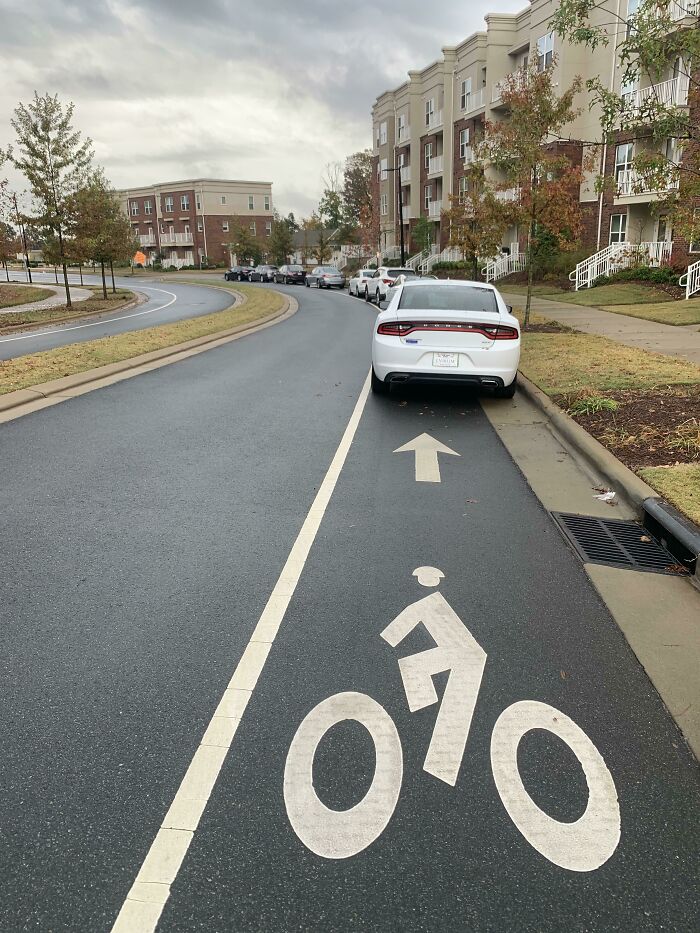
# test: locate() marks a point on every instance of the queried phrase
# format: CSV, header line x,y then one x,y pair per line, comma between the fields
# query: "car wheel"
x,y
379,387
506,391
377,299
307,283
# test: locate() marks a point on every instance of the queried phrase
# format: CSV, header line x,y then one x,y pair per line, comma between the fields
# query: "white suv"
x,y
377,287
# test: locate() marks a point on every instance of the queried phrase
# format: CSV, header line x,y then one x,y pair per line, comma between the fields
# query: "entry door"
x,y
664,230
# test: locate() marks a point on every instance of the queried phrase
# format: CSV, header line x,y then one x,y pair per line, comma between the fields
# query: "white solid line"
x,y
113,320
147,897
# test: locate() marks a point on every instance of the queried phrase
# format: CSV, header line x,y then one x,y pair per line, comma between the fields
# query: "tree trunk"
x,y
104,281
80,266
528,260
111,269
7,271
64,267
475,268
55,272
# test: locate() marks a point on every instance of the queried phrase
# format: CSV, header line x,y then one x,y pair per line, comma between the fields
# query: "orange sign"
x,y
140,258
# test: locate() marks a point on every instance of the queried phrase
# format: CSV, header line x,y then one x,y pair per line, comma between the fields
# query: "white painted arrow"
x,y
426,449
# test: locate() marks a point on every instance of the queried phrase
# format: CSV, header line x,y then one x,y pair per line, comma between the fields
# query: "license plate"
x,y
445,359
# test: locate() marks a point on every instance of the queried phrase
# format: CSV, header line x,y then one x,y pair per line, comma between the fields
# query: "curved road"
x,y
166,302
152,548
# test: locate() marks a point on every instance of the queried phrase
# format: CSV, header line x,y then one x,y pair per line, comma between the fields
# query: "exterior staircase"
x,y
690,280
503,265
619,256
432,259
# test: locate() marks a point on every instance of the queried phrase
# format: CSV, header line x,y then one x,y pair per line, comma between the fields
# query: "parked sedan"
x,y
238,274
290,275
356,286
263,273
382,279
456,333
325,277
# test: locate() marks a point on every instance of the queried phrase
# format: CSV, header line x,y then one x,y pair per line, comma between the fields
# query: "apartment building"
x,y
423,130
184,221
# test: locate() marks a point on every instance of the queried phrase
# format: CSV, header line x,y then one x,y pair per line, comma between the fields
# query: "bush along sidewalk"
x,y
642,406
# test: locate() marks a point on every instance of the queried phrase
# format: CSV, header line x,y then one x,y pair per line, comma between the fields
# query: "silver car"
x,y
325,277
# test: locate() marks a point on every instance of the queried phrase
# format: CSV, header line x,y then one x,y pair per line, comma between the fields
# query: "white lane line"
x,y
145,901
59,329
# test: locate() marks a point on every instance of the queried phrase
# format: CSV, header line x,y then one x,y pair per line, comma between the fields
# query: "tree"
x,y
357,189
291,222
281,242
477,219
245,246
540,186
55,160
323,248
650,42
9,245
369,229
331,208
422,235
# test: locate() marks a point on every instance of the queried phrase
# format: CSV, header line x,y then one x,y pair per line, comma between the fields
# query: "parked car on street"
x,y
406,277
263,273
325,277
446,332
238,274
356,286
290,275
376,287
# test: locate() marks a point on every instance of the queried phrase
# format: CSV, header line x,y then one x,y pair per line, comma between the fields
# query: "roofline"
x,y
197,181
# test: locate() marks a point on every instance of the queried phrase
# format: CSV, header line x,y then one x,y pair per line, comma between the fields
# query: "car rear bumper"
x,y
397,362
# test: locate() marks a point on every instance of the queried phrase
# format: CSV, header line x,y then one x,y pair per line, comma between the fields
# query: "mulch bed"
x,y
647,426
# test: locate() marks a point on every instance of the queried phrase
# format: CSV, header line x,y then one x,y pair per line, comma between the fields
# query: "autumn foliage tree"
x,y
477,219
539,186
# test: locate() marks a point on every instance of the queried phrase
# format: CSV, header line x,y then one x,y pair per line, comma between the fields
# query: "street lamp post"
x,y
403,250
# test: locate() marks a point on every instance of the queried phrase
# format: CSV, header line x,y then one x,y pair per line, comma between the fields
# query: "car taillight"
x,y
395,328
493,331
388,281
499,331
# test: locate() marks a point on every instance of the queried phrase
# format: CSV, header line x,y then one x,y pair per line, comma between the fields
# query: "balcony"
x,y
176,239
406,212
629,183
434,210
406,175
436,165
148,240
403,135
475,101
509,194
434,120
520,77
679,9
671,93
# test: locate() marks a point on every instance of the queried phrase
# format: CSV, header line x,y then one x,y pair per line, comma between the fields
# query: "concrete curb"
x,y
151,360
78,316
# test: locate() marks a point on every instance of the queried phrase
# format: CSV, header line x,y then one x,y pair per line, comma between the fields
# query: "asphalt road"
x,y
146,524
166,302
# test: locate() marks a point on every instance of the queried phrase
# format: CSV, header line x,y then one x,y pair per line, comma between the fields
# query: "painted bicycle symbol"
x,y
582,846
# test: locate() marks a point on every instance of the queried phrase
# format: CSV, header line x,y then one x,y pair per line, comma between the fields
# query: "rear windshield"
x,y
294,268
328,269
394,272
448,298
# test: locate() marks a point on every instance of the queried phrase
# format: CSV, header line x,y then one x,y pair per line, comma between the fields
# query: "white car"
x,y
457,333
356,288
382,279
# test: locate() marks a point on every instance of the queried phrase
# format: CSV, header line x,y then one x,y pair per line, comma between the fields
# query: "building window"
x,y
383,174
184,202
618,228
463,184
427,154
224,226
376,134
268,228
382,133
384,201
135,231
267,202
134,208
545,51
200,226
466,93
623,161
429,111
223,198
168,205
401,160
147,207
198,202
428,194
463,143
251,202
401,126
253,229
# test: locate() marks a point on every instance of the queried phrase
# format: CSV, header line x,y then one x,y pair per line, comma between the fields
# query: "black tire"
x,y
366,294
306,282
506,391
379,387
240,277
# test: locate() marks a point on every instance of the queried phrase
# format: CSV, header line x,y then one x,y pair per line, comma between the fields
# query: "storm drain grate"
x,y
616,543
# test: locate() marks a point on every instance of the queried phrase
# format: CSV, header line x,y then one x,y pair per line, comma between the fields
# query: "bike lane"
x,y
449,857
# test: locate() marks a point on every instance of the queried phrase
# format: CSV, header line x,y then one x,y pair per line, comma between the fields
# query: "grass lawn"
x,y
17,319
680,484
603,296
539,289
664,312
12,295
25,371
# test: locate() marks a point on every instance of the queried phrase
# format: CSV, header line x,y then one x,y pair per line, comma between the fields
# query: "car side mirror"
x,y
510,309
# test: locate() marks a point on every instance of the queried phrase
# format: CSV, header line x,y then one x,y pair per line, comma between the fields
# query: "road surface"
x,y
145,527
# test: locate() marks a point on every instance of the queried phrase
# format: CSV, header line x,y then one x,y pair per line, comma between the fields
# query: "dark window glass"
x,y
448,298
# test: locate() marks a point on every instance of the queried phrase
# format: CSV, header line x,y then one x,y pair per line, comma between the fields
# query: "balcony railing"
x,y
403,135
475,101
520,77
679,9
671,93
434,119
147,240
509,194
406,212
406,175
436,165
176,239
630,182
435,209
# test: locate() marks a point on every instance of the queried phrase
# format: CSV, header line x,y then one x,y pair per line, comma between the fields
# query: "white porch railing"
x,y
406,175
690,280
176,239
434,120
475,101
435,209
619,256
415,260
630,182
436,165
393,252
406,212
673,92
403,135
432,259
679,9
520,77
147,240
503,265
510,194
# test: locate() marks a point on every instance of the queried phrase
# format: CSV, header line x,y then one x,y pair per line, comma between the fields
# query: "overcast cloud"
x,y
270,90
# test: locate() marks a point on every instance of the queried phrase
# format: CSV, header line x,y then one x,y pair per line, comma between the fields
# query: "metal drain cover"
x,y
616,543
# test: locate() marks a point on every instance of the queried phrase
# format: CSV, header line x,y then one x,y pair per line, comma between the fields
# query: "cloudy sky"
x,y
271,90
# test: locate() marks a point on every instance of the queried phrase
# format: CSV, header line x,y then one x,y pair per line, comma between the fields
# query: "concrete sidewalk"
x,y
683,341
58,298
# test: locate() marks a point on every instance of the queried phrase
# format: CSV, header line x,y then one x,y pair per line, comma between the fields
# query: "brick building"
x,y
426,128
185,221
